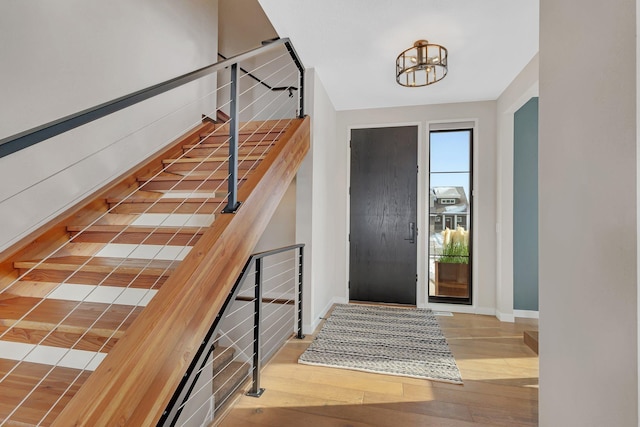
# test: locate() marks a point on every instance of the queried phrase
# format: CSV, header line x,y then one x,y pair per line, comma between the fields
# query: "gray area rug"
x,y
386,340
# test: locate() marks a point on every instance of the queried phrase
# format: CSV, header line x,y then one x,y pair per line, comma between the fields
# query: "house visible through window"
x,y
450,243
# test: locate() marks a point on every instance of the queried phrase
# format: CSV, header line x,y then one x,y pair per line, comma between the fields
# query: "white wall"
x,y
638,192
588,264
320,203
521,90
484,277
243,26
62,57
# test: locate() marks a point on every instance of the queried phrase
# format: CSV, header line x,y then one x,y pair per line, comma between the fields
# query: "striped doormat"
x,y
386,340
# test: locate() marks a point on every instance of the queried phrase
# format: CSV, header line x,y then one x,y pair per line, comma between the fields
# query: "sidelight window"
x,y
450,215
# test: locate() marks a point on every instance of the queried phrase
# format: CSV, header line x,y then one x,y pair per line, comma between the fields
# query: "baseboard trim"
x,y
311,328
461,308
503,317
486,311
526,314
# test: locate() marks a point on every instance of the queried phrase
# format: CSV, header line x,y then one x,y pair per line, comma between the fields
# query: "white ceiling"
x,y
353,45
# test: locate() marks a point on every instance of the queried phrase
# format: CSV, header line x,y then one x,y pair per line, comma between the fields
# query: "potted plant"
x,y
452,266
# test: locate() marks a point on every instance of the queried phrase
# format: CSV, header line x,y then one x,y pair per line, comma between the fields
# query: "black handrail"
x,y
262,82
48,130
174,409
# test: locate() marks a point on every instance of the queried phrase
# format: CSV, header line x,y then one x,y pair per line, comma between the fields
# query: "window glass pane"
x,y
449,151
457,184
450,216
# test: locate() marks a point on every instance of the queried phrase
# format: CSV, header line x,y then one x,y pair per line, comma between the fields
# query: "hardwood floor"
x,y
499,371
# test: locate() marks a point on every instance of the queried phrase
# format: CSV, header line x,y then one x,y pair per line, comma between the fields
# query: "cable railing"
x,y
251,331
144,252
289,89
48,130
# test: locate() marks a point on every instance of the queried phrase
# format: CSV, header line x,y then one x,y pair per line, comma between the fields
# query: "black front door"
x,y
383,227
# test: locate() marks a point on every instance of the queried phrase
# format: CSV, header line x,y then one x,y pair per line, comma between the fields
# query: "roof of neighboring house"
x,y
457,193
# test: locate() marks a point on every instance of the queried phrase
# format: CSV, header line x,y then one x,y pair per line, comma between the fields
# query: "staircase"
x,y
139,271
228,374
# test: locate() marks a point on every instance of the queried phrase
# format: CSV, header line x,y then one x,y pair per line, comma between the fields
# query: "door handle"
x,y
412,232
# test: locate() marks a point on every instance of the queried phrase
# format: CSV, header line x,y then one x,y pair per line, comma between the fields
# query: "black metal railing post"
x,y
256,391
232,199
296,60
300,272
301,94
190,378
187,386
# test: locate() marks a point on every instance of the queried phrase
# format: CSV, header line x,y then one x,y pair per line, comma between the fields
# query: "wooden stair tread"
x,y
166,200
93,341
220,150
245,135
131,234
215,182
247,129
221,357
251,126
221,142
23,379
125,228
101,264
219,146
168,177
135,273
226,381
207,152
204,168
256,133
49,314
213,159
191,205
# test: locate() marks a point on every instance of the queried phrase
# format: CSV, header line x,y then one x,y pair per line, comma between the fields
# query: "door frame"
x,y
421,292
457,124
423,211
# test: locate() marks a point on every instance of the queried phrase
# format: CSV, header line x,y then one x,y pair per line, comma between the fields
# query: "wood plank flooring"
x,y
499,371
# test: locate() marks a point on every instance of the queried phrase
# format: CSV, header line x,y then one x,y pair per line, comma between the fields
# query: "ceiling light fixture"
x,y
421,65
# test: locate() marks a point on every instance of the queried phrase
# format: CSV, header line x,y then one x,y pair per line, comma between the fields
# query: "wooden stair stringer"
x,y
137,379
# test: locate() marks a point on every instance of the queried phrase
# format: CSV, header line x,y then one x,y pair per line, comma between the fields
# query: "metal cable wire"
x,y
103,280
121,232
265,343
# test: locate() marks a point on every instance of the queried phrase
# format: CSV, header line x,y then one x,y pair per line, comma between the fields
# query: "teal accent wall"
x,y
525,207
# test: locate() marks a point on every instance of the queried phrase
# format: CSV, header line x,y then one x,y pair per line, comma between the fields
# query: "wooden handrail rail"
x,y
136,380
